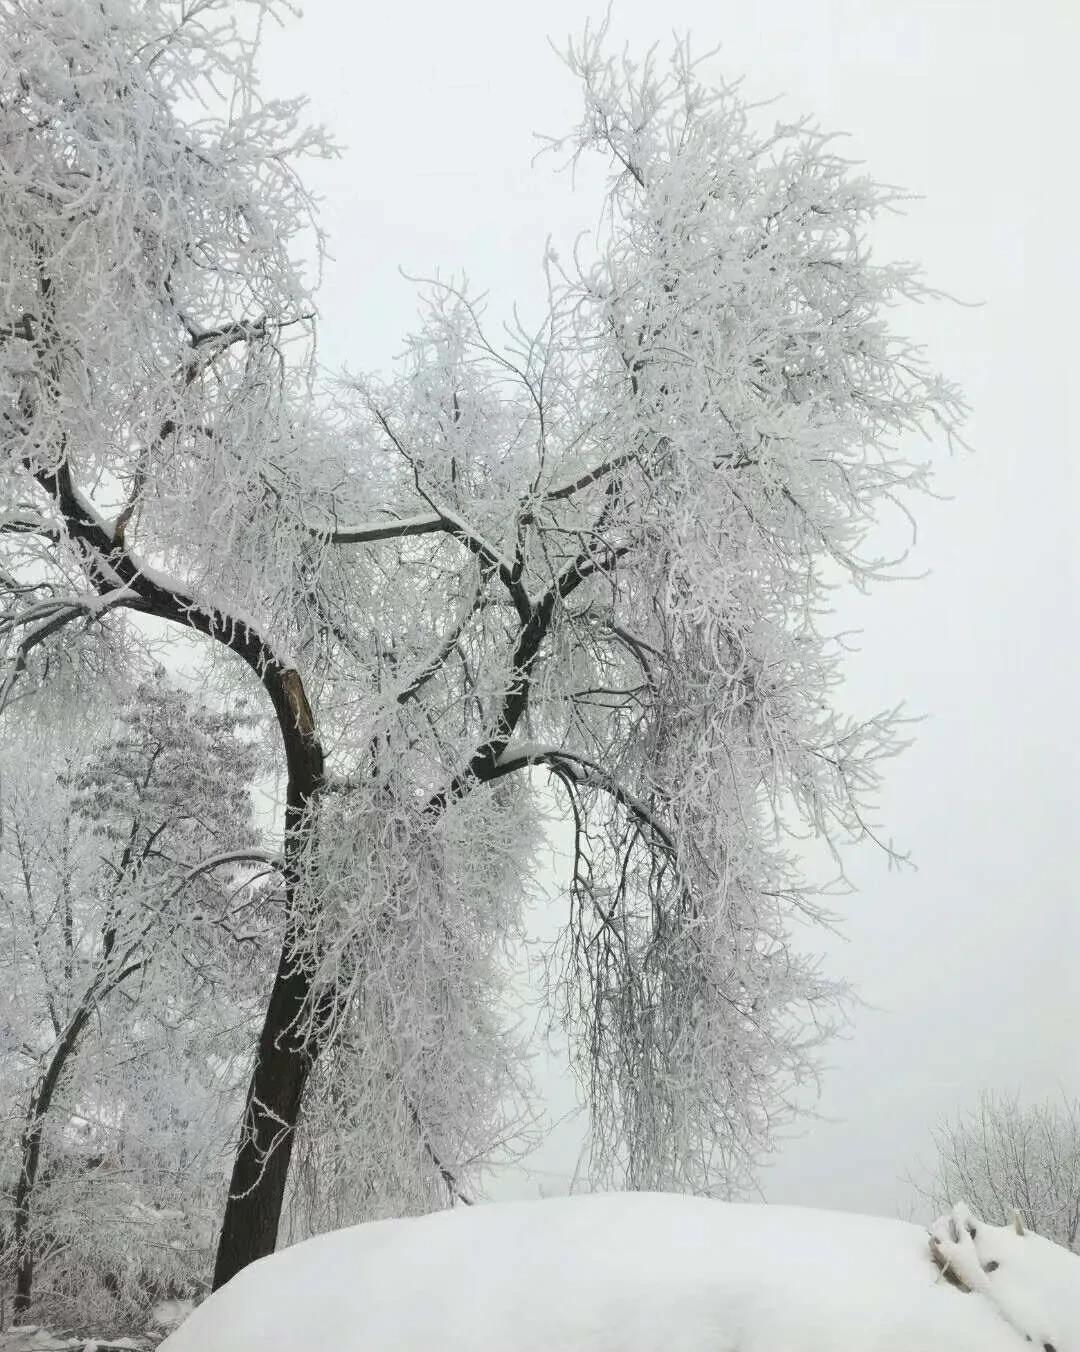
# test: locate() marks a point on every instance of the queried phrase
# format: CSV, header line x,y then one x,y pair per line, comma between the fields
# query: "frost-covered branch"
x,y
580,772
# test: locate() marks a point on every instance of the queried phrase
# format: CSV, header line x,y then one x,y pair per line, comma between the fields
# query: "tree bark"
x,y
249,1226
284,1057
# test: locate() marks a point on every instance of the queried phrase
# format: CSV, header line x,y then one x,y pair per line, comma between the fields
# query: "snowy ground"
x,y
33,1339
645,1272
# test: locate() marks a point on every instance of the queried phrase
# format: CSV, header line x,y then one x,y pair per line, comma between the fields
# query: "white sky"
x,y
969,964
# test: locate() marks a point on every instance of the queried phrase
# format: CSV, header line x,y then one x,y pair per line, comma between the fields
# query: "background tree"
x,y
600,547
1005,1156
121,914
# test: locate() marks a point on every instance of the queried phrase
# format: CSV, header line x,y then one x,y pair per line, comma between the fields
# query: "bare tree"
x,y
599,546
1004,1157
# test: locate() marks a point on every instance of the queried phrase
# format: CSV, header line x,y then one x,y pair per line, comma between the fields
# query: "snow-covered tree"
x,y
129,958
597,546
1008,1157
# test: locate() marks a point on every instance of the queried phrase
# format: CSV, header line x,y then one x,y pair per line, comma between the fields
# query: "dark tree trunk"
x,y
284,1057
257,1190
30,1153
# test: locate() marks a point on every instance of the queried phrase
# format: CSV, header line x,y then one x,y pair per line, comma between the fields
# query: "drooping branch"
x,y
584,773
449,1178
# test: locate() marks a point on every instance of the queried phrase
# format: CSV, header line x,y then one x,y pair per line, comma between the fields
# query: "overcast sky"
x,y
968,966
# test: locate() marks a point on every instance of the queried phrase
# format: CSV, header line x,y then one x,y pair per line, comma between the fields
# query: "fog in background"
x,y
967,966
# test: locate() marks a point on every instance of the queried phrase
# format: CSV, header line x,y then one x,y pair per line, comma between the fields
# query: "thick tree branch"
x,y
112,570
430,523
590,477
373,532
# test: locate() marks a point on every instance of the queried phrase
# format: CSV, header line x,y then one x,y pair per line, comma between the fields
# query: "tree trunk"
x,y
20,1233
284,1059
30,1153
257,1190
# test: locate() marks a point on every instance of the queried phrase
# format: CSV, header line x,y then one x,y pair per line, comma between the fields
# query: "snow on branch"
x,y
38,623
580,772
374,531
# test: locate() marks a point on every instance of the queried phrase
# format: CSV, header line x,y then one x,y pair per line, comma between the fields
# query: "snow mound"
x,y
648,1272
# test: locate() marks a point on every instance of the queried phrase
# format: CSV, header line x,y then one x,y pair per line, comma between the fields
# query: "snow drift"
x,y
645,1272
